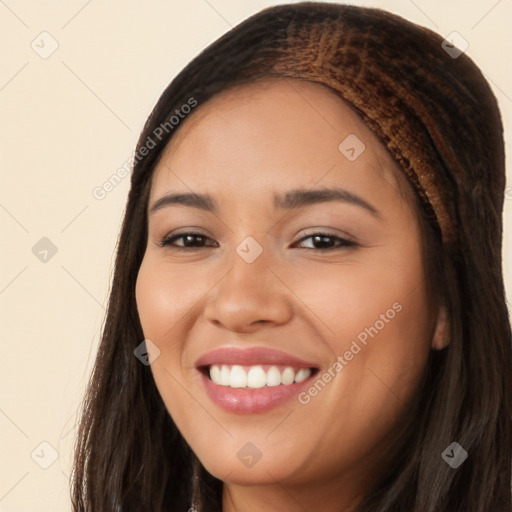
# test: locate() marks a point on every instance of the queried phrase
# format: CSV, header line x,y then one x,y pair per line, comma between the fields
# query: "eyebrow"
x,y
293,199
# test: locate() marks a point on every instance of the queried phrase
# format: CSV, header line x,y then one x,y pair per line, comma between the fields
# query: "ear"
x,y
440,340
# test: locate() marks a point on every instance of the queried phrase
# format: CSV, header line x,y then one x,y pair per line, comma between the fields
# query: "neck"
x,y
329,496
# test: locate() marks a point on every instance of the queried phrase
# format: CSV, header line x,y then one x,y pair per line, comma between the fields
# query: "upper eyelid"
x,y
302,236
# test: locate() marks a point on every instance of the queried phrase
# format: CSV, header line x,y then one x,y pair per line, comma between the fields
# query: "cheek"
x,y
163,301
375,315
342,300
393,333
163,298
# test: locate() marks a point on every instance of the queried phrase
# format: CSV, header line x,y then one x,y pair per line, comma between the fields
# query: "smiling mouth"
x,y
255,376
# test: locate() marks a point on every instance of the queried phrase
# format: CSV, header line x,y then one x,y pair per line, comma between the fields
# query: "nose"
x,y
249,297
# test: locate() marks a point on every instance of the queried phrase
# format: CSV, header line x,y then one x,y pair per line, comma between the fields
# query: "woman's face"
x,y
305,256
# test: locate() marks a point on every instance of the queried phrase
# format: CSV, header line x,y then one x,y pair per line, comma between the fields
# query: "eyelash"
x,y
167,240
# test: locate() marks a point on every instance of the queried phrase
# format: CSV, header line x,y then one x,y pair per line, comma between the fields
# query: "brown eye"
x,y
190,240
325,241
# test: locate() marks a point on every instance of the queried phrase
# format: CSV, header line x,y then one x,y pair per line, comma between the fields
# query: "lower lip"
x,y
251,401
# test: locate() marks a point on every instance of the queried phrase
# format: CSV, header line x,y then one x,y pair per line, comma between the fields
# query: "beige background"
x,y
68,122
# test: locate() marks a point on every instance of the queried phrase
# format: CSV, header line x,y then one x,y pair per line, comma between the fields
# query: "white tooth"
x,y
238,377
273,376
256,378
225,372
302,374
215,374
288,376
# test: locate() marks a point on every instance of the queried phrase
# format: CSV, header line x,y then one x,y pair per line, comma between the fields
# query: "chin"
x,y
238,468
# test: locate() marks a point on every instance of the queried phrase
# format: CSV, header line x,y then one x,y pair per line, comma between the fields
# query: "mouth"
x,y
253,380
256,376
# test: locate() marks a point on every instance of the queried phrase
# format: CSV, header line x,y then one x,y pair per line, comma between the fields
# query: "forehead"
x,y
271,133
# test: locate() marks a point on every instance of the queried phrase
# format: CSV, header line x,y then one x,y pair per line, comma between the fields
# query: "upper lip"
x,y
250,357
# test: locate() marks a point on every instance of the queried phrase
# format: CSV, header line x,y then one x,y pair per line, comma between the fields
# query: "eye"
x,y
324,241
191,240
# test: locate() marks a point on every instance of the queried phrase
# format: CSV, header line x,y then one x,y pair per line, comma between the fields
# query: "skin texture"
x,y
241,147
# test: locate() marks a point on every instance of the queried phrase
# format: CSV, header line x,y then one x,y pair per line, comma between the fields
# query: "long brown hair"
x,y
129,454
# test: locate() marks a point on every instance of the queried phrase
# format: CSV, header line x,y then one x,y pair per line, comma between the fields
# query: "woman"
x,y
309,277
